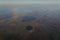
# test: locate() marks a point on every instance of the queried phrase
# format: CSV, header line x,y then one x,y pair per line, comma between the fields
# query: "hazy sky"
x,y
30,1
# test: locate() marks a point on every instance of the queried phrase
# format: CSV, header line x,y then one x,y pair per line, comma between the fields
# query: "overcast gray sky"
x,y
31,1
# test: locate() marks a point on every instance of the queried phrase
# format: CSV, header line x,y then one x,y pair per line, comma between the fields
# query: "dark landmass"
x,y
29,23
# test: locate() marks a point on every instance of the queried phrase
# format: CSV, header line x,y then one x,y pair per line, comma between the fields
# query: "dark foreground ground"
x,y
36,25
